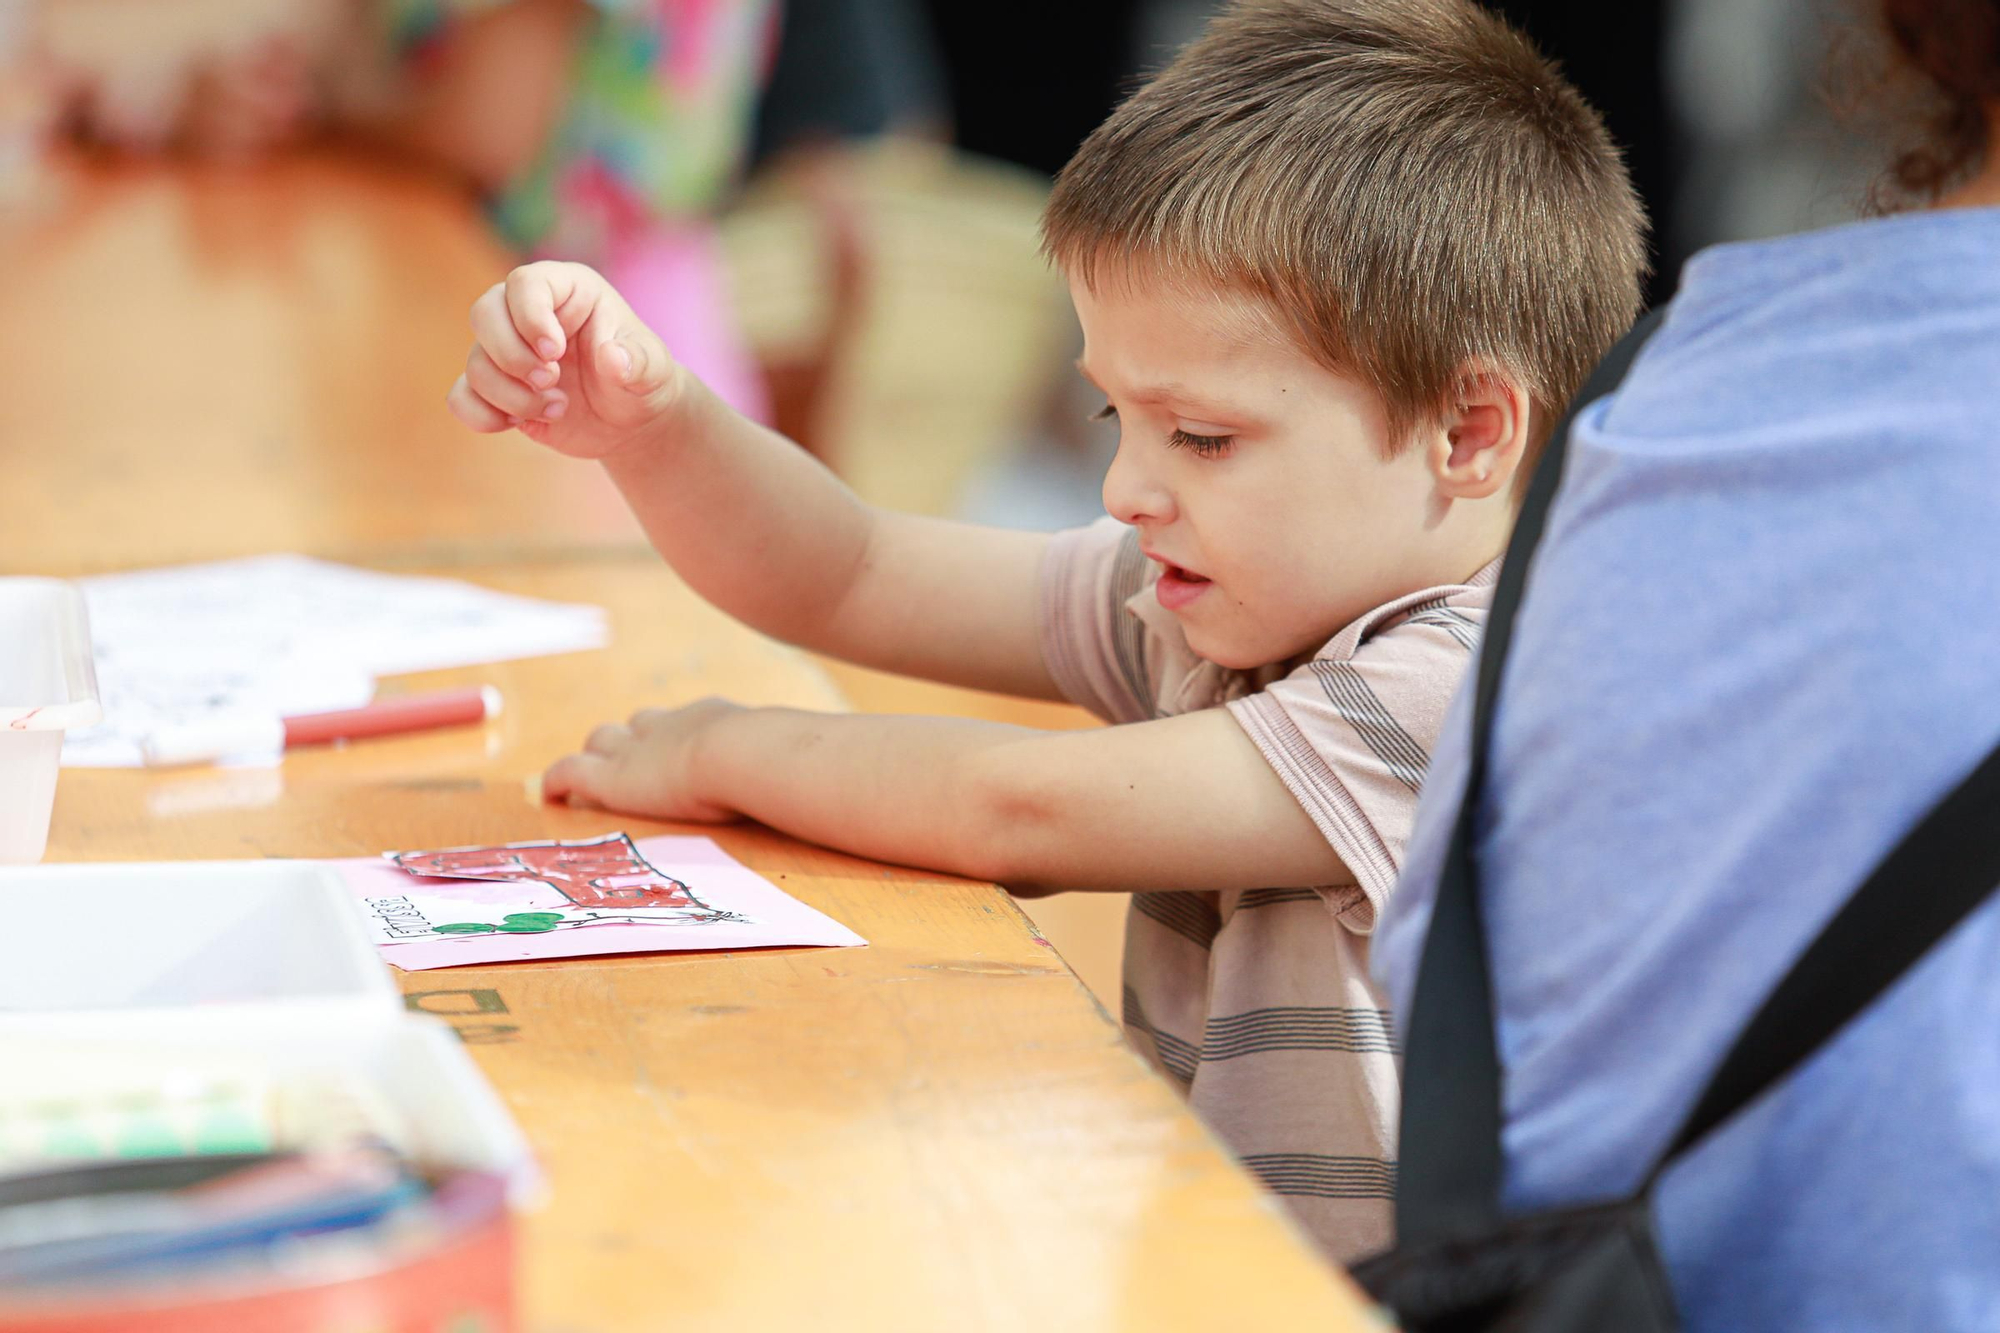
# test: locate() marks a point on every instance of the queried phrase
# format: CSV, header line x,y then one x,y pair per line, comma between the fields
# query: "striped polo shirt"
x,y
1258,1003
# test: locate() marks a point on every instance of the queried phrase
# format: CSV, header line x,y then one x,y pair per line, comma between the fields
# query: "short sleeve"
x,y
1351,737
1096,651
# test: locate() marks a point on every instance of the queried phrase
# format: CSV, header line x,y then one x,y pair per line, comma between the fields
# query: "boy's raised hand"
x,y
559,356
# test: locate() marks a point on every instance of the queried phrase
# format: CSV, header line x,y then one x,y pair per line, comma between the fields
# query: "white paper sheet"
x,y
576,898
283,634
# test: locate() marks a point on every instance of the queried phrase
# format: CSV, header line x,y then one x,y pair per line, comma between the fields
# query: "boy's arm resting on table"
x,y
1185,802
752,522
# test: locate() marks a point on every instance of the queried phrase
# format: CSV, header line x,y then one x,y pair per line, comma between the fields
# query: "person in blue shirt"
x,y
1760,641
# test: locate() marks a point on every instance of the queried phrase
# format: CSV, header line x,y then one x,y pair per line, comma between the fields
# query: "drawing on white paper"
x,y
603,881
611,894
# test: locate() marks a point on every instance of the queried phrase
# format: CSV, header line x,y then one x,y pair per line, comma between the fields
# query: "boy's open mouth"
x,y
1178,587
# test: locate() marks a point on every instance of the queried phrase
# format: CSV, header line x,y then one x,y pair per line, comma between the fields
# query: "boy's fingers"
x,y
473,410
501,390
494,329
608,739
638,364
574,778
549,301
648,720
531,307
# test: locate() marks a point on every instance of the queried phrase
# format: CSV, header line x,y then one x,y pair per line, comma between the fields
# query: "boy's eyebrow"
x,y
1171,391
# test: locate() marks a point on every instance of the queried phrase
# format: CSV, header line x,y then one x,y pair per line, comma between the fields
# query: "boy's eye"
x,y
1208,446
1104,413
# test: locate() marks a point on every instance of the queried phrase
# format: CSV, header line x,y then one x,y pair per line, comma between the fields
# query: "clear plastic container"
x,y
139,971
47,685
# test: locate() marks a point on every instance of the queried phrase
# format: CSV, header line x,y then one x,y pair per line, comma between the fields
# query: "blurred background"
x,y
828,207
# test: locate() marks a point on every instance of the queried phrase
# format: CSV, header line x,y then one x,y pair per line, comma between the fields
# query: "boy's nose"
x,y
1131,493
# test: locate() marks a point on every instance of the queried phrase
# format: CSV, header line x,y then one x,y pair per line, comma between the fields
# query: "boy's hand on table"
x,y
559,356
644,767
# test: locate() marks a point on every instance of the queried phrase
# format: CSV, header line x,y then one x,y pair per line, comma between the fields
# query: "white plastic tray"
x,y
176,941
48,684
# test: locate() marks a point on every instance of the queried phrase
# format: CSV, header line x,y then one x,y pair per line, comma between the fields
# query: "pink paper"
x,y
601,896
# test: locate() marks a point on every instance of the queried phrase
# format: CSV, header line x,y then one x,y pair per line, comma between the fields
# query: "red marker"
x,y
202,741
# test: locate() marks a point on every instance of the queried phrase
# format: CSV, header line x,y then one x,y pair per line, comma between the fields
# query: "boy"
x,y
1338,268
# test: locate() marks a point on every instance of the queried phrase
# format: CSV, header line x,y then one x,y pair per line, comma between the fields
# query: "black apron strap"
x,y
1936,876
1448,1173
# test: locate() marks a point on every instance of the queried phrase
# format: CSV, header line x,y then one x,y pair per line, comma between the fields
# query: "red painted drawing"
x,y
605,879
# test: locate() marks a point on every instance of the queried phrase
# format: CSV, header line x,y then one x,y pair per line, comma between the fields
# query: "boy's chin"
x,y
1231,652
1244,648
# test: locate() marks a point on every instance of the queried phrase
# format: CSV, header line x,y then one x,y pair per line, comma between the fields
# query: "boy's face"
x,y
1256,477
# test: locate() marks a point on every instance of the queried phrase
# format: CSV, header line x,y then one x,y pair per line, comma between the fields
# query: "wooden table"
x,y
240,362
939,1130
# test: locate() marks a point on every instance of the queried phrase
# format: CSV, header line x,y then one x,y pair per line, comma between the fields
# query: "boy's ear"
x,y
1482,437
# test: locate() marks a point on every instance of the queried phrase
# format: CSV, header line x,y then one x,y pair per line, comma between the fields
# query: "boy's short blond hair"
x,y
1408,184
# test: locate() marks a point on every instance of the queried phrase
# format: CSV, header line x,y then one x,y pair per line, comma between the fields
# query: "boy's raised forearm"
x,y
746,517
751,521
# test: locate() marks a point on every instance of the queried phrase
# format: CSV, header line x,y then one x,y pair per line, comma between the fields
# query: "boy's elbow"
x,y
1014,819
